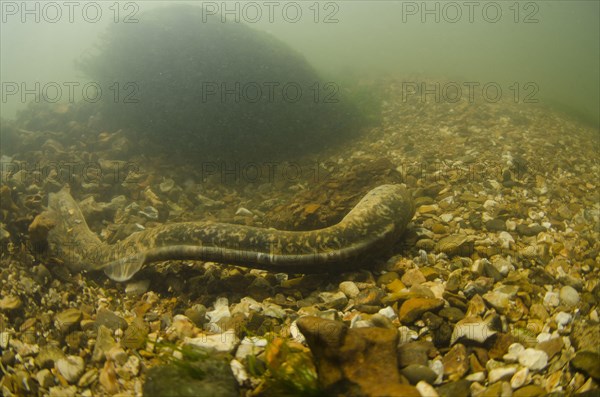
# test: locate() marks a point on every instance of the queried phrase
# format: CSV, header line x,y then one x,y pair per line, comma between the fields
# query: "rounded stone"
x,y
533,359
569,296
71,367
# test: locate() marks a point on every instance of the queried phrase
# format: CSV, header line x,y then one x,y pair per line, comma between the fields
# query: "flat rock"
x,y
208,375
588,362
472,328
416,373
337,350
497,300
455,244
71,368
530,391
452,314
68,319
48,356
414,308
414,353
533,359
110,320
460,388
455,362
551,347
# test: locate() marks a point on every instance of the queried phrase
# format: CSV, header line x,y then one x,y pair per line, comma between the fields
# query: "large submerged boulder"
x,y
195,85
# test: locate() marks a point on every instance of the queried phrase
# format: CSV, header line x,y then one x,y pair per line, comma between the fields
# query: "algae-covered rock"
x,y
199,373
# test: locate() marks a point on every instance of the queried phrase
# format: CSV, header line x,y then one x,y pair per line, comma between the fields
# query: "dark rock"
x,y
500,347
201,373
496,225
478,287
48,355
337,350
588,362
110,320
529,391
414,353
529,231
490,270
413,308
541,277
585,336
453,283
369,296
432,320
442,335
461,388
8,358
551,347
416,373
452,314
455,362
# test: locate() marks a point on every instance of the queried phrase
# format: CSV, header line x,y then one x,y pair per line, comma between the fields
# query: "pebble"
x,y
48,356
569,296
455,389
551,299
10,302
413,308
104,342
588,362
426,389
497,374
45,378
563,318
413,277
136,288
497,300
250,345
416,373
452,314
71,367
495,225
88,378
24,349
414,353
476,377
107,318
513,353
4,339
446,217
68,319
108,378
471,328
533,359
220,312
530,391
506,239
335,300
349,289
456,363
223,341
437,366
519,378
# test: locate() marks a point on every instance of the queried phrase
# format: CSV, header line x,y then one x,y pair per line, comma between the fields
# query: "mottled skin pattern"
x,y
379,219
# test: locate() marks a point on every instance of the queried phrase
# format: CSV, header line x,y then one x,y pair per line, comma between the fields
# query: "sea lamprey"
x,y
376,222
